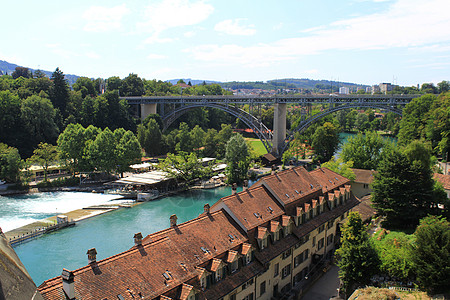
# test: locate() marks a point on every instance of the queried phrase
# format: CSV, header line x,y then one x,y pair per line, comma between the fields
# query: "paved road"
x,y
326,287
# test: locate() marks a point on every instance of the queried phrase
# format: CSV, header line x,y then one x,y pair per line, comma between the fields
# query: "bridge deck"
x,y
264,99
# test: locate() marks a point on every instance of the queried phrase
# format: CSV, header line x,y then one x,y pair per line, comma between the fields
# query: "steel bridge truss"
x,y
261,131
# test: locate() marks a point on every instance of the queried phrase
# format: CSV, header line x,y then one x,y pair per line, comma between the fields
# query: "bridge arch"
x,y
261,130
308,122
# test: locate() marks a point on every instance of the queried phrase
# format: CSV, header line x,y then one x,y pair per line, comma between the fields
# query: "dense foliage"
x,y
404,189
325,142
431,254
238,159
357,258
365,150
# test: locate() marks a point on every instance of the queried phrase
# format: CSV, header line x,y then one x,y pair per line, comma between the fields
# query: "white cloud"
x,y
102,19
92,54
155,39
189,34
234,27
405,23
171,14
156,56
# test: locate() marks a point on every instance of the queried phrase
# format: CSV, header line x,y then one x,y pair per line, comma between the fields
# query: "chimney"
x,y
245,185
234,189
92,255
138,239
173,220
206,208
68,284
274,169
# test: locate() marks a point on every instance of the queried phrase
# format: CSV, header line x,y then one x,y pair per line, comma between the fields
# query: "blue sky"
x,y
364,41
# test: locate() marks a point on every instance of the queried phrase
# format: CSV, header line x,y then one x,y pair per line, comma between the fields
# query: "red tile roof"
x,y
328,179
290,185
150,261
252,207
443,179
364,176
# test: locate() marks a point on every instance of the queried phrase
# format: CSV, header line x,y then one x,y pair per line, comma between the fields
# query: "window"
x,y
330,224
306,238
303,218
276,269
321,228
234,266
219,274
298,260
330,239
366,186
248,297
262,288
264,243
276,235
233,296
320,244
311,214
286,271
306,254
286,254
248,258
203,282
247,284
314,241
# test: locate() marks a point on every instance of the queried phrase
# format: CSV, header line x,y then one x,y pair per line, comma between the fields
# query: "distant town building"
x,y
368,89
269,241
385,87
375,89
361,186
344,90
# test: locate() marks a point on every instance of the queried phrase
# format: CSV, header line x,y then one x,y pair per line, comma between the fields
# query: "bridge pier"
x,y
147,109
279,127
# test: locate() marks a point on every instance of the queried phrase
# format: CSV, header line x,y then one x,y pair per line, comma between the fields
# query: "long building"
x,y
266,242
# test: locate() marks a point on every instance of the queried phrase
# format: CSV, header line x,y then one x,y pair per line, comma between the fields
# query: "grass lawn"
x,y
257,146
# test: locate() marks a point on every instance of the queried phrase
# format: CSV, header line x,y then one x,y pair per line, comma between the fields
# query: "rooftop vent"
x,y
245,185
92,255
234,189
205,250
68,283
312,186
287,195
206,208
336,178
257,215
173,220
330,181
297,192
270,209
166,276
138,239
231,237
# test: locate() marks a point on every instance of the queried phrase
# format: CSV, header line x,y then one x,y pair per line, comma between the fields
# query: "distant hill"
x,y
193,81
8,68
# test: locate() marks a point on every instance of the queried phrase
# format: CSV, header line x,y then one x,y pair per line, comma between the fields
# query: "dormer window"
x,y
234,266
276,235
264,243
248,258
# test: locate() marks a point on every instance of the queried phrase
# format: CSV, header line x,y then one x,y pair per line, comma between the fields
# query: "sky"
x,y
405,42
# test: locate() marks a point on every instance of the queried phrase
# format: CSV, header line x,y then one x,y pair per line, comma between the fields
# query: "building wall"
x,y
361,189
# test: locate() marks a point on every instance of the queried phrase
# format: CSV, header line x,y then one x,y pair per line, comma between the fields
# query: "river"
x,y
110,233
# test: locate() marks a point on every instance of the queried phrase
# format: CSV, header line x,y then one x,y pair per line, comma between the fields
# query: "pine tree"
x,y
59,93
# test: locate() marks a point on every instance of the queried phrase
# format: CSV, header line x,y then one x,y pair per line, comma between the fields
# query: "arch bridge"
x,y
275,142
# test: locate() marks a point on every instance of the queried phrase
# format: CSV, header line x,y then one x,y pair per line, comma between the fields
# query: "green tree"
x,y
59,93
365,150
71,146
132,85
223,136
325,141
431,255
404,190
210,143
10,163
128,151
85,85
341,167
150,137
413,123
21,72
102,151
113,83
183,139
357,258
38,117
443,86
362,122
10,116
185,167
197,135
44,155
238,159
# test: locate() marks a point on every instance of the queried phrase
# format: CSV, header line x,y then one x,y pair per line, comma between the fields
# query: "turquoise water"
x,y
111,233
